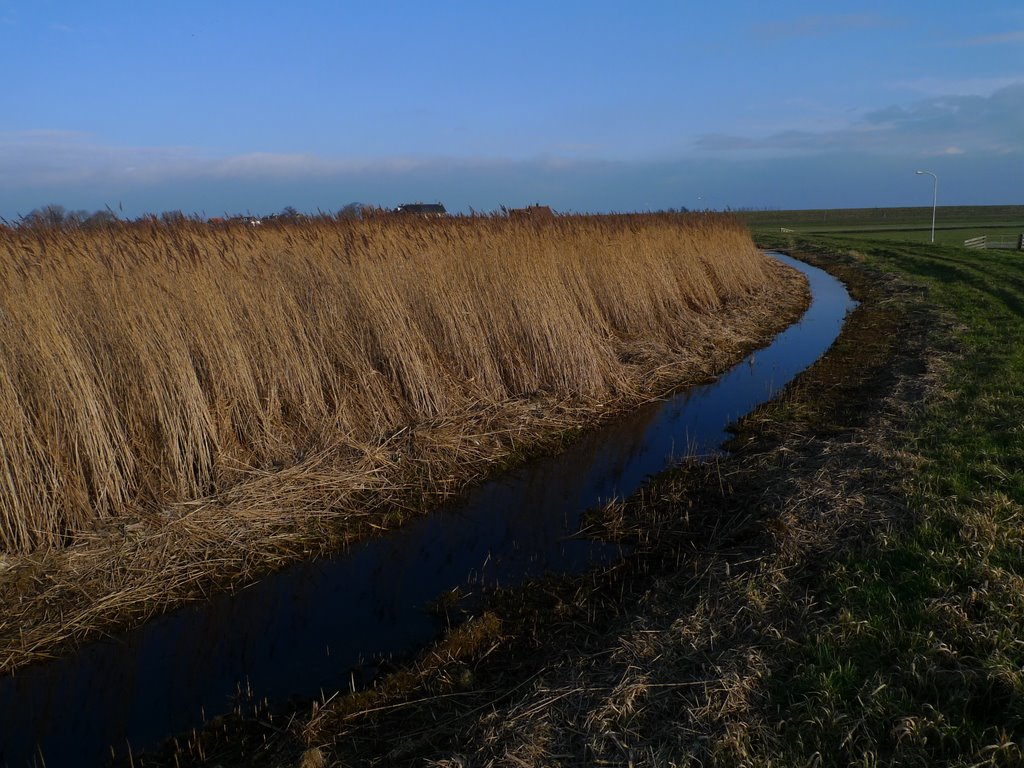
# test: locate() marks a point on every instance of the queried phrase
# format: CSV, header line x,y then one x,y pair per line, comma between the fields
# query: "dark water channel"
x,y
320,625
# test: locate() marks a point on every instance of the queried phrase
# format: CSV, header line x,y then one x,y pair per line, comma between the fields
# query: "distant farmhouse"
x,y
422,209
220,221
537,212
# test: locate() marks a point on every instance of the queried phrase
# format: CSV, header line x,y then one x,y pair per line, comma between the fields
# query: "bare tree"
x,y
51,215
100,219
171,218
351,211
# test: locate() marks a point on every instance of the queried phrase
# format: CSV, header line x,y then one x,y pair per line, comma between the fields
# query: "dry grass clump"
x,y
147,365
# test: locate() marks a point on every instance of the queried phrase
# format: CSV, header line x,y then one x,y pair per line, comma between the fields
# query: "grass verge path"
x,y
918,655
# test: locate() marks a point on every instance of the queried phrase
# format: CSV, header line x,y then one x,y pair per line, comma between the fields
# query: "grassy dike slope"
x,y
845,589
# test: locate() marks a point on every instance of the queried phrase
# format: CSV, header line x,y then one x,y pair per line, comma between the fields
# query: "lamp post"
x,y
935,196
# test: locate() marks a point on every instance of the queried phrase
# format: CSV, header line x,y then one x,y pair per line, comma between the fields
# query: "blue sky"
x,y
232,107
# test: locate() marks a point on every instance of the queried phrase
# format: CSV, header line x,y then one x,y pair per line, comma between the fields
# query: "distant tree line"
x,y
58,217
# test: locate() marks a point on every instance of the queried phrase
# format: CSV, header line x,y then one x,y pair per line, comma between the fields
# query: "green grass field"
x,y
953,224
918,656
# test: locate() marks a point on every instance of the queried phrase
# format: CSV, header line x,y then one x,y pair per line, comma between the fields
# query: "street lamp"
x,y
935,196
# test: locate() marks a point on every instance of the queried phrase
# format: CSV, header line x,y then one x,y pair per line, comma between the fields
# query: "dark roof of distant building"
x,y
532,211
422,208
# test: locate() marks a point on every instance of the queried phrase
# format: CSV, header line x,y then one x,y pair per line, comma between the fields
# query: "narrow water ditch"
x,y
320,625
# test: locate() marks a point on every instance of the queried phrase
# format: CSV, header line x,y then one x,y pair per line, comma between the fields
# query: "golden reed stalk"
x,y
143,364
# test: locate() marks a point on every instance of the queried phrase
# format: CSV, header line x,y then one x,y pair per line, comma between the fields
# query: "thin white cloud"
x,y
819,26
958,86
944,125
1004,38
41,134
580,148
297,165
46,158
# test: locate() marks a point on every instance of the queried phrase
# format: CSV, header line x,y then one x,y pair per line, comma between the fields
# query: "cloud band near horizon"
x,y
77,170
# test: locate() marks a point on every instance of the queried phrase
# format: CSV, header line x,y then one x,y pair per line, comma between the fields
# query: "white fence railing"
x,y
982,241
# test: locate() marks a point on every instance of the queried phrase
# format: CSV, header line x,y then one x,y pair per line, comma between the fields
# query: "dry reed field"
x,y
148,365
164,389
